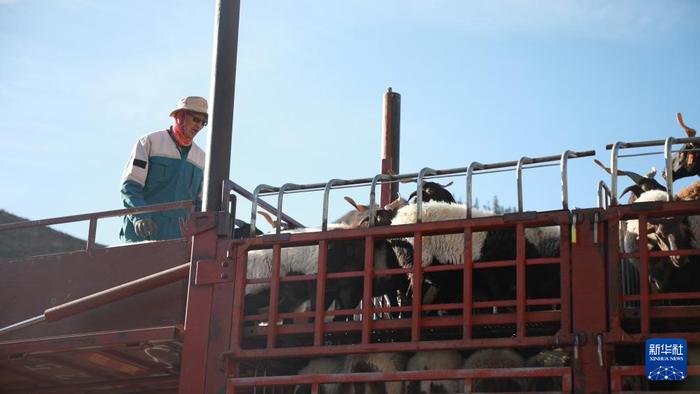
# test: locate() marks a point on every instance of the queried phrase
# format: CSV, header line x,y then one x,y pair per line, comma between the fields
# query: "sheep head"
x,y
685,162
642,183
433,191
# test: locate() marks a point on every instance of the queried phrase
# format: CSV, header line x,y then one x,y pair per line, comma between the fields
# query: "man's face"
x,y
194,122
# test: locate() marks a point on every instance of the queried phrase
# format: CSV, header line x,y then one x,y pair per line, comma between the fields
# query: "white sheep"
x,y
434,360
321,366
495,358
374,362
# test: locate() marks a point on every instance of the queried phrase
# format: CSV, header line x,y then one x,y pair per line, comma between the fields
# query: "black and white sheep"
x,y
434,360
374,362
492,245
667,274
685,162
492,359
343,256
321,366
433,191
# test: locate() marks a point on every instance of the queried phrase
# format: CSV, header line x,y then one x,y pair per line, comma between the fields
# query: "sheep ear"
x,y
268,218
688,131
394,204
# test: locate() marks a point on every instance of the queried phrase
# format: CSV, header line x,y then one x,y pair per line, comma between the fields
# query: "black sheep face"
x,y
433,192
685,162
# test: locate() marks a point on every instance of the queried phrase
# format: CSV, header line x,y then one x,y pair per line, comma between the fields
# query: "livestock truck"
x,y
500,312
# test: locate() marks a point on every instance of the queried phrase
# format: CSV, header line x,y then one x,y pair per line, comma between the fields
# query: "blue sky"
x,y
484,81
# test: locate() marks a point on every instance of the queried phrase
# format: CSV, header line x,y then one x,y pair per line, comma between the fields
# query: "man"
x,y
165,166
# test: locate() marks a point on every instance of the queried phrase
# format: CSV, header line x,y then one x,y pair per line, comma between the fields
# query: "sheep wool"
x,y
449,248
434,360
321,366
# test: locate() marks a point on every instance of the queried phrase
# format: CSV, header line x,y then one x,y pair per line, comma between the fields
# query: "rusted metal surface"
x,y
391,143
145,360
56,279
588,289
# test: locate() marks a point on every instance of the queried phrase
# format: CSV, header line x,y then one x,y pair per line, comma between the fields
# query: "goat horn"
x,y
268,218
359,207
636,178
690,132
448,185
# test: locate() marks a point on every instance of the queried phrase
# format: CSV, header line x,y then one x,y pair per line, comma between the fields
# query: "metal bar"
x,y
613,172
468,275
391,143
107,296
519,176
221,93
436,173
262,203
326,195
274,296
520,279
280,198
91,234
118,292
669,166
417,302
241,271
357,377
254,206
320,292
643,276
419,192
470,172
603,195
373,196
564,171
367,289
24,323
96,215
644,144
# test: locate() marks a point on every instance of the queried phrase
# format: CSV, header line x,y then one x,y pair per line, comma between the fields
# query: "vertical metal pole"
x,y
221,95
391,137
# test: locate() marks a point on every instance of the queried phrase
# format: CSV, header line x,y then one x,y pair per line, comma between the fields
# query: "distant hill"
x,y
34,241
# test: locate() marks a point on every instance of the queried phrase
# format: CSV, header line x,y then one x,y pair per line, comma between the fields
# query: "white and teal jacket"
x,y
159,172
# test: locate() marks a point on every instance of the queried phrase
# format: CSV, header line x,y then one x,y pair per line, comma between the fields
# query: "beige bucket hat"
x,y
192,103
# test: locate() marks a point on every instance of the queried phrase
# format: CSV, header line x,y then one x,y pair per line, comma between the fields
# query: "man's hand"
x,y
145,227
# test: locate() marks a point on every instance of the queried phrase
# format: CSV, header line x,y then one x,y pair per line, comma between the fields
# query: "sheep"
x,y
434,360
321,366
684,162
374,362
434,192
665,274
547,358
495,358
492,245
241,229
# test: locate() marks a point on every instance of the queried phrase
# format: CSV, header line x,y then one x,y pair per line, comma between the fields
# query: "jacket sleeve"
x,y
134,178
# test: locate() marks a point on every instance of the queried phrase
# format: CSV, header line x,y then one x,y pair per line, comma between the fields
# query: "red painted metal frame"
x,y
646,311
237,353
70,353
617,373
